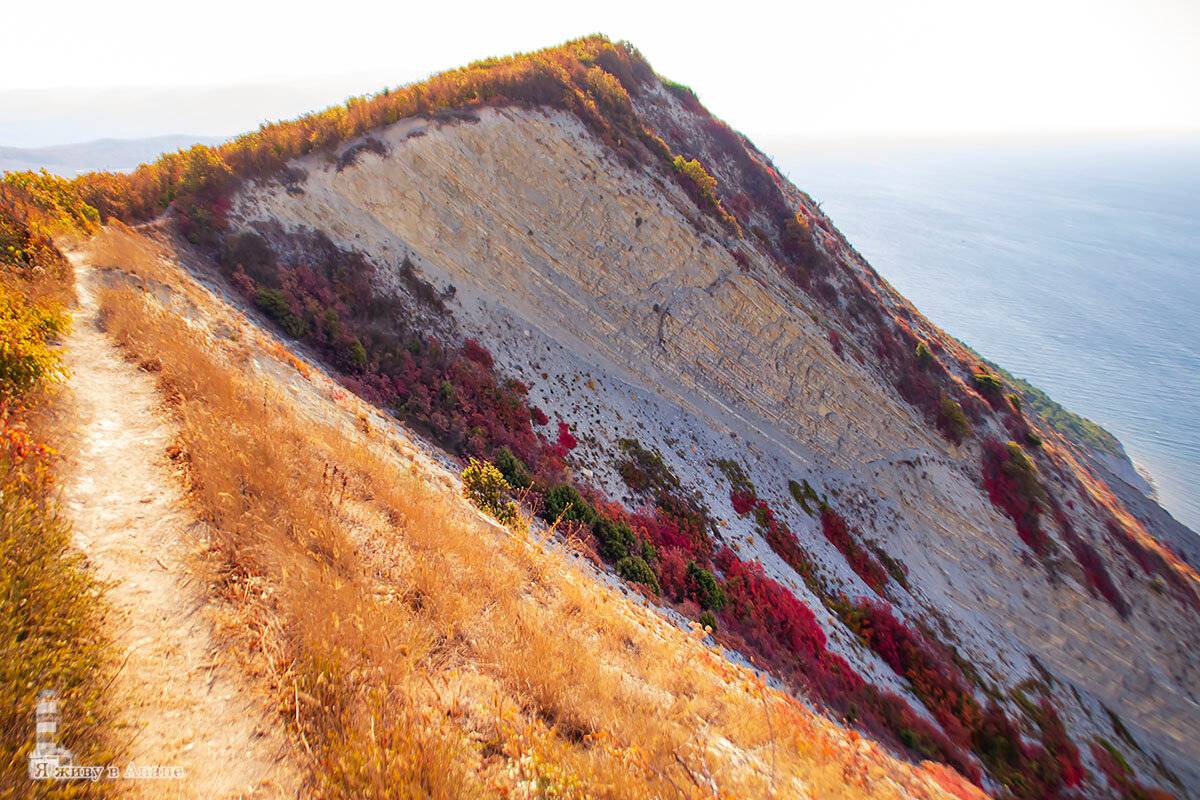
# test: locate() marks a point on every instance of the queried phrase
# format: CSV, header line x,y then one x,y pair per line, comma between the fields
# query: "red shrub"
x,y
779,537
767,614
566,441
673,573
1012,485
1095,572
764,616
835,341
837,531
1152,562
326,298
929,670
476,352
1113,770
1059,745
667,530
742,502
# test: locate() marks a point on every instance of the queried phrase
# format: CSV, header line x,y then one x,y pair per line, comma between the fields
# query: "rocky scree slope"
x,y
682,357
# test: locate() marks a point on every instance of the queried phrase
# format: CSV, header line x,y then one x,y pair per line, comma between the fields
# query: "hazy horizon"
x,y
856,68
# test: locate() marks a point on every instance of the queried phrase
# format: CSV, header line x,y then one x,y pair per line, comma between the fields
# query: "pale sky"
x,y
80,71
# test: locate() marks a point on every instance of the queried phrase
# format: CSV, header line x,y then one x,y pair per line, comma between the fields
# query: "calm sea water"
x,y
1075,265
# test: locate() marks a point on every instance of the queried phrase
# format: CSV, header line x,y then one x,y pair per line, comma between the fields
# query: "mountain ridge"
x,y
580,223
96,155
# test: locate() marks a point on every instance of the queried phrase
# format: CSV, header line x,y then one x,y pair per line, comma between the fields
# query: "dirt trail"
x,y
182,706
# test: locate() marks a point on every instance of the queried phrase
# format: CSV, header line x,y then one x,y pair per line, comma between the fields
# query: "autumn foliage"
x,y
54,628
934,677
324,296
837,532
1011,480
591,77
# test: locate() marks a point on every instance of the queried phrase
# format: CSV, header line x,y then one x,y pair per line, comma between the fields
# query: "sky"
x,y
131,68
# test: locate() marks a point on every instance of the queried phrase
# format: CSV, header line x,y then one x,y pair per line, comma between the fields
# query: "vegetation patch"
x,y
52,629
838,533
1011,480
806,497
486,488
1072,426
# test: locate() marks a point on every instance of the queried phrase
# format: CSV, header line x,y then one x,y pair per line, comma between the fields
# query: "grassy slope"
x,y
51,621
415,650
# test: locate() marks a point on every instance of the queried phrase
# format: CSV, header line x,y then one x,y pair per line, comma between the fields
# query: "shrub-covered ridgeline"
x,y
50,628
452,390
590,77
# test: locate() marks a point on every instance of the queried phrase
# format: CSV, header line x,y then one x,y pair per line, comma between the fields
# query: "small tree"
x,y
924,356
486,488
513,468
708,591
636,570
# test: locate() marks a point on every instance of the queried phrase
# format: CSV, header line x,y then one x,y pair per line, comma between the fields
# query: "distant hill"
x,y
117,155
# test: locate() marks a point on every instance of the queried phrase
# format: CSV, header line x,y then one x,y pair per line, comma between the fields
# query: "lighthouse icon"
x,y
47,755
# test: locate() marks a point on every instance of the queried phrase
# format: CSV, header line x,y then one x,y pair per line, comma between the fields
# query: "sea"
x,y
1072,262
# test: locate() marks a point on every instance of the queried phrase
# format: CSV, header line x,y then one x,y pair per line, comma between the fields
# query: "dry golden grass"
x,y
416,650
119,247
53,612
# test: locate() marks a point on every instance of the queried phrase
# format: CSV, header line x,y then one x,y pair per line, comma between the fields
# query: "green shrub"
x,y
1020,467
709,593
704,184
331,323
953,420
680,90
989,385
617,540
513,469
805,494
739,481
564,501
924,357
649,552
485,487
636,570
644,470
894,567
708,620
272,303
356,355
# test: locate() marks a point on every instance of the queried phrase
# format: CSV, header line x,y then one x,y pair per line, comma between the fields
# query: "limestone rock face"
x,y
602,286
528,211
